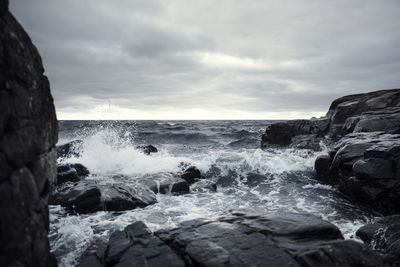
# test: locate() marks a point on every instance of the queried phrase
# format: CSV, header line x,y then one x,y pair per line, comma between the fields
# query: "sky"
x,y
149,59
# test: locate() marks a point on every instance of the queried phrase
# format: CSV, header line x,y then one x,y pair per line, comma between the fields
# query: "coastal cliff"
x,y
28,134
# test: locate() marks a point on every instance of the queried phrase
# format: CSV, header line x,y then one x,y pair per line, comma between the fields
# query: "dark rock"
x,y
167,186
191,174
135,246
73,148
94,255
363,132
89,196
384,236
370,112
28,134
322,167
366,168
363,106
71,173
81,170
309,133
239,240
147,149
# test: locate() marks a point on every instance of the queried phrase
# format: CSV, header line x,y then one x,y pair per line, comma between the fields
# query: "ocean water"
x,y
227,153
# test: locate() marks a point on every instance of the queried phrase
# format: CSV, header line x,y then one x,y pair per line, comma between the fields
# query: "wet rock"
x,y
89,196
298,133
28,134
167,186
322,167
384,236
73,148
191,174
134,246
363,134
71,173
370,112
239,239
366,168
372,106
147,149
81,170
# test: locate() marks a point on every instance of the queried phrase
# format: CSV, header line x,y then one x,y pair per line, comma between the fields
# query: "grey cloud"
x,y
256,57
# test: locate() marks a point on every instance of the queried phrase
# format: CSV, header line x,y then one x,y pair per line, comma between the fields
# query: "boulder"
x,y
322,167
147,149
71,173
28,134
236,239
73,148
168,186
384,236
90,196
191,174
134,246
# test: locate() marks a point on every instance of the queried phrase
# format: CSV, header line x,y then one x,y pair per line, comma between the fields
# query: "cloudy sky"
x,y
208,59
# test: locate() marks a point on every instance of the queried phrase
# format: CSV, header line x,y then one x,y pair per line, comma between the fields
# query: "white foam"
x,y
106,153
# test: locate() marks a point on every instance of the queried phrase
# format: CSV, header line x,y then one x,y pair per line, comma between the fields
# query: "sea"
x,y
228,153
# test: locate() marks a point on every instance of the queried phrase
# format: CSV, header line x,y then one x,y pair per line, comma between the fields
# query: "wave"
x,y
247,178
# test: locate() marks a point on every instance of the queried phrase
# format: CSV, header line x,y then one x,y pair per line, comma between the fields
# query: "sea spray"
x,y
247,179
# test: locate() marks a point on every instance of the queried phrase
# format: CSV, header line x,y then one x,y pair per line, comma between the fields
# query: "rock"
x,y
164,183
366,168
89,196
191,174
322,167
81,170
362,132
168,186
147,149
73,148
71,173
378,102
28,134
238,239
283,133
384,236
134,246
370,112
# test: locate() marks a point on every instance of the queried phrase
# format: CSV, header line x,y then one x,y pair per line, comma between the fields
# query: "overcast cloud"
x,y
125,59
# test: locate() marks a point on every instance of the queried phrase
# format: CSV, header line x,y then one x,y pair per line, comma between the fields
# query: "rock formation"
x,y
377,111
28,134
236,239
363,134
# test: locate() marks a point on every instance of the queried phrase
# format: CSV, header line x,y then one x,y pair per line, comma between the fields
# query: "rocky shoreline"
x,y
362,133
362,162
